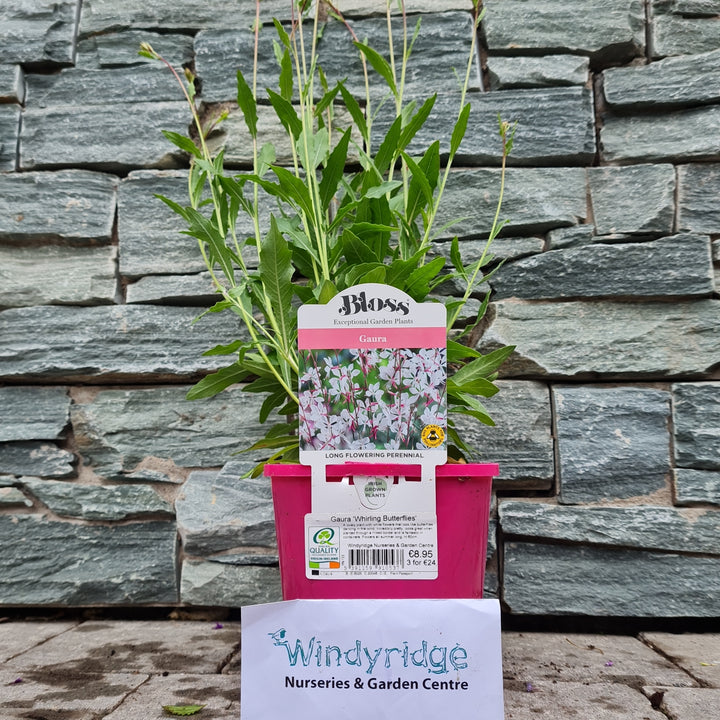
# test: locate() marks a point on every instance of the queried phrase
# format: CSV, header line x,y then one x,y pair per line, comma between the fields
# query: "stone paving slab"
x,y
699,655
550,657
686,704
220,695
578,700
134,646
19,637
41,690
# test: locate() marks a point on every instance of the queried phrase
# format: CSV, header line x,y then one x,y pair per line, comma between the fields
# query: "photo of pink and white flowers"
x,y
364,399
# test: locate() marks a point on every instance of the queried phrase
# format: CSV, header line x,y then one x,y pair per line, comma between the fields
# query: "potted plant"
x,y
352,209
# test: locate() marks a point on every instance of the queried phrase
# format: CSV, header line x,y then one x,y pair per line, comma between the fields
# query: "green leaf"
x,y
353,107
266,157
293,189
483,366
184,143
418,285
456,352
282,33
325,292
228,349
270,403
286,114
312,148
458,132
483,417
380,65
389,147
334,168
381,190
478,386
214,383
246,103
276,271
182,709
416,122
285,81
456,258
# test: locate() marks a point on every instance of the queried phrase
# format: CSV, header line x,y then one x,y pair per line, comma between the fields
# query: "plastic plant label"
x,y
372,379
372,389
378,546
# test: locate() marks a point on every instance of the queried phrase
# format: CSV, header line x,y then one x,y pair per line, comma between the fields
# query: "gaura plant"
x,y
350,209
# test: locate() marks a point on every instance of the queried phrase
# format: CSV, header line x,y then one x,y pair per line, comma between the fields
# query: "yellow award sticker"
x,y
432,436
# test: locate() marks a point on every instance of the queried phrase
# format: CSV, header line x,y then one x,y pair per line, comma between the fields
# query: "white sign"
x,y
385,659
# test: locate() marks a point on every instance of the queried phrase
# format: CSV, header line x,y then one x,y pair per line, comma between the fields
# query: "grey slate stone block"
x,y
698,189
507,73
677,35
224,511
220,584
57,275
9,134
41,32
101,15
69,205
33,413
682,136
642,527
638,199
569,237
114,137
609,340
94,565
697,487
118,430
696,420
612,442
150,238
117,49
544,579
94,502
535,200
606,30
687,703
556,126
521,441
140,341
10,496
678,81
674,266
173,290
12,84
36,458
88,86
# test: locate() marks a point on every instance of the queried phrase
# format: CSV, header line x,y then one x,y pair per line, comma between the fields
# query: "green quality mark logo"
x,y
324,536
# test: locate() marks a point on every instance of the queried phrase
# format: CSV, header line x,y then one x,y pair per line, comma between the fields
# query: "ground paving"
x,y
128,670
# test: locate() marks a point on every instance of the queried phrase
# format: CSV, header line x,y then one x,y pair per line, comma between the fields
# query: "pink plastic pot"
x,y
463,503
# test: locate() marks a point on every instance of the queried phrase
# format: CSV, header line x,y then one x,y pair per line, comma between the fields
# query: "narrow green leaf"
x,y
483,366
483,417
381,190
456,352
286,114
477,386
182,709
418,285
325,292
275,271
247,104
380,65
334,168
416,122
176,207
184,143
459,130
285,80
282,33
389,147
356,112
214,383
271,402
456,258
228,349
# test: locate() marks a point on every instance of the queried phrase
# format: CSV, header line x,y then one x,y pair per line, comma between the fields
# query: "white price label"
x,y
371,546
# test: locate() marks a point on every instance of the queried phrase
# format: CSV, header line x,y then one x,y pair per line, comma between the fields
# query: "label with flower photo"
x,y
372,378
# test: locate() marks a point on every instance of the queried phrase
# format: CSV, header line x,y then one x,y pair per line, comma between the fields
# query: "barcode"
x,y
377,557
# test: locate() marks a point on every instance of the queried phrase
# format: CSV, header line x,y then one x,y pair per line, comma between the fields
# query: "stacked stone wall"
x,y
116,490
